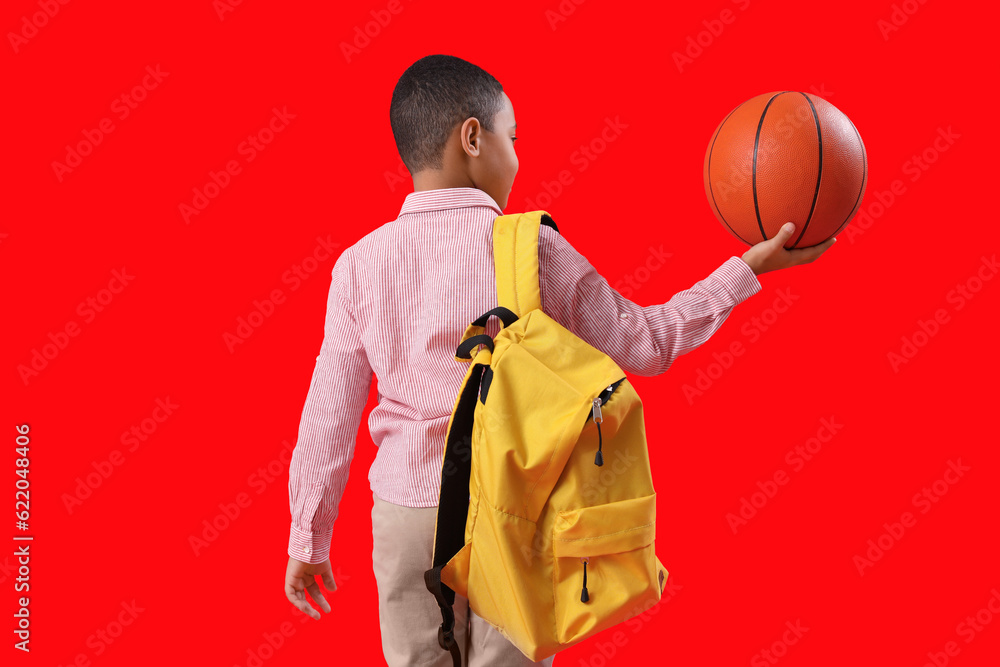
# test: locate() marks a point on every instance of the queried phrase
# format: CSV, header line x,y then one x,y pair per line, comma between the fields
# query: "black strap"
x,y
446,637
464,350
548,221
453,506
506,314
484,388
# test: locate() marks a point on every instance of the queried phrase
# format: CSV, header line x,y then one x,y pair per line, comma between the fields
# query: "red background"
x,y
325,174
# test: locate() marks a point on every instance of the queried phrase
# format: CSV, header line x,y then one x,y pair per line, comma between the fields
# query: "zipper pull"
x,y
599,458
584,596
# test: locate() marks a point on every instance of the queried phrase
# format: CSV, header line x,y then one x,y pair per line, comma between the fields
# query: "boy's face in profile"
x,y
495,166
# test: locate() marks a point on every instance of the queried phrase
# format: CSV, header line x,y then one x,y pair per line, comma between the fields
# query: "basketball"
x,y
785,157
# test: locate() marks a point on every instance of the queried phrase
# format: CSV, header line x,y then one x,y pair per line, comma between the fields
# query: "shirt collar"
x,y
444,198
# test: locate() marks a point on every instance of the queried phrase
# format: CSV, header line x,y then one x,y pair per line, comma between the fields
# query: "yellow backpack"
x,y
546,518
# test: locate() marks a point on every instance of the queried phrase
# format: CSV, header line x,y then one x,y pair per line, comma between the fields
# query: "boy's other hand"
x,y
770,255
301,577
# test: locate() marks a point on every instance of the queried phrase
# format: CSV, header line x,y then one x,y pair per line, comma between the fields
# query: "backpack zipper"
x,y
599,458
595,414
584,595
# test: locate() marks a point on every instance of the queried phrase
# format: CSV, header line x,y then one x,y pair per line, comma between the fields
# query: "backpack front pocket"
x,y
604,567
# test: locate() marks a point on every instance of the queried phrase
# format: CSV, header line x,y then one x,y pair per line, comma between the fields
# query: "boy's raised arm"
x,y
646,340
642,340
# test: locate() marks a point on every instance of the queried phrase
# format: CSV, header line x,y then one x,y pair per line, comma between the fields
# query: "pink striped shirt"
x,y
400,300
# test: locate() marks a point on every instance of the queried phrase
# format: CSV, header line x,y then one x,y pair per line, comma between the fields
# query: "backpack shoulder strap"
x,y
453,500
515,255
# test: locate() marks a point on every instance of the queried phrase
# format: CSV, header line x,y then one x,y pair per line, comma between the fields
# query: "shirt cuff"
x,y
738,279
309,547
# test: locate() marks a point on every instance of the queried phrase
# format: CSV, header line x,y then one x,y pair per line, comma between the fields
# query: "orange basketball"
x,y
785,157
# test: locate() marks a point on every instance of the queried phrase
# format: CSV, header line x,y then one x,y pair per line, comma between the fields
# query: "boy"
x,y
399,302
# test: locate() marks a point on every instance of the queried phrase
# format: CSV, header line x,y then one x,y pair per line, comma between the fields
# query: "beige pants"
x,y
409,615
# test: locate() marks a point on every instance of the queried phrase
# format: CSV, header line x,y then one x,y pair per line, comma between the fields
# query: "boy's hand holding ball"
x,y
771,254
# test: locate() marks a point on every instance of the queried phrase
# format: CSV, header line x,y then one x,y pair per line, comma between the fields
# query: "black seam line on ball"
x,y
712,190
819,176
756,142
864,176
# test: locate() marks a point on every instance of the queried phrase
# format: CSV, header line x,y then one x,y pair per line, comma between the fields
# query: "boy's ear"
x,y
470,134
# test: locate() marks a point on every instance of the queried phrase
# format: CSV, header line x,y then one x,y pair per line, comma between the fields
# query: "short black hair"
x,y
433,95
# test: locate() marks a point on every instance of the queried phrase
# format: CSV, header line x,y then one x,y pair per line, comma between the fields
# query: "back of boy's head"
x,y
433,95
